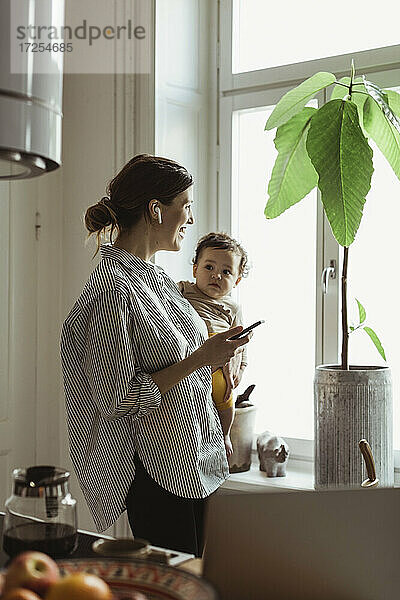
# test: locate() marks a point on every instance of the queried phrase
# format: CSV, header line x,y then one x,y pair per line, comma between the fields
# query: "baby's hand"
x,y
228,376
235,363
228,446
238,378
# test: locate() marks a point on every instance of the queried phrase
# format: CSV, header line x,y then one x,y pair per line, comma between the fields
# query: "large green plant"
x,y
328,147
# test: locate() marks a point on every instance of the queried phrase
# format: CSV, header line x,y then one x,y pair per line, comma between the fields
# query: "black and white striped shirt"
x,y
129,321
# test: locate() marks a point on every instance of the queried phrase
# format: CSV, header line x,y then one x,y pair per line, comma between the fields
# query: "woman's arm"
x,y
215,351
118,386
170,376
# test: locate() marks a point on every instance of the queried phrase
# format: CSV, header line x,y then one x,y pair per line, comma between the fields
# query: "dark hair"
x,y
143,178
223,241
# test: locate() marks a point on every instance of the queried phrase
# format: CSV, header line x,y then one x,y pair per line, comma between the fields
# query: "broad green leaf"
x,y
381,98
294,100
376,341
343,160
361,312
293,175
393,101
351,328
386,137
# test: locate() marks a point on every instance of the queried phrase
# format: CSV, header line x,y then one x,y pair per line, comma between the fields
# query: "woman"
x,y
144,434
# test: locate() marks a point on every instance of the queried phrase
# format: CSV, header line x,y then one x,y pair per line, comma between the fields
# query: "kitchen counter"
x,y
83,550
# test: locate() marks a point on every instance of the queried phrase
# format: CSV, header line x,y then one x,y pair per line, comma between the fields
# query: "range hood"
x,y
30,89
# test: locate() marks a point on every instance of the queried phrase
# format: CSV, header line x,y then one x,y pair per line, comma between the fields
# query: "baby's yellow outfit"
x,y
219,389
219,315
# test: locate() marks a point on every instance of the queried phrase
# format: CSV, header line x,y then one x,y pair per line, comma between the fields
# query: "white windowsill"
x,y
299,476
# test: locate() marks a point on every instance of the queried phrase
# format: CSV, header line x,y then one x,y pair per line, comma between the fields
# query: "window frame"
x,y
366,61
264,87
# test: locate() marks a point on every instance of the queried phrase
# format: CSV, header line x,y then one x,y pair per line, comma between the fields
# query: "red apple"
x,y
33,570
20,593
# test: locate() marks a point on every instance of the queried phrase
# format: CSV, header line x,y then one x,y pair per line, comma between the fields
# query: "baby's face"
x,y
216,272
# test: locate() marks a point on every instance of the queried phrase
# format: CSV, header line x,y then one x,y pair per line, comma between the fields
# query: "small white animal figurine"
x,y
273,454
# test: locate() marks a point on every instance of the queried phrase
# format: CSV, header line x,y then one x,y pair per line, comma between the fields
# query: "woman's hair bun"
x,y
98,216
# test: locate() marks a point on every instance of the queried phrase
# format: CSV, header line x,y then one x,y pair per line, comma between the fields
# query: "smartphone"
x,y
243,333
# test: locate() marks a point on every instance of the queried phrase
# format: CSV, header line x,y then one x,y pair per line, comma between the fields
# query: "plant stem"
x,y
345,326
345,329
351,79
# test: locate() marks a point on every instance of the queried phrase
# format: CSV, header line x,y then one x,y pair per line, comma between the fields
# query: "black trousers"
x,y
162,518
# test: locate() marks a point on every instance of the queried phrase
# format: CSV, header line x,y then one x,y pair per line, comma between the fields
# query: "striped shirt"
x,y
130,321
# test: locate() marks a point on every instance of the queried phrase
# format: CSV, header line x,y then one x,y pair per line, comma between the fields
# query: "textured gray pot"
x,y
349,406
242,433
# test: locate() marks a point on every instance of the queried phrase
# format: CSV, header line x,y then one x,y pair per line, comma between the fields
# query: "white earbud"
x,y
158,211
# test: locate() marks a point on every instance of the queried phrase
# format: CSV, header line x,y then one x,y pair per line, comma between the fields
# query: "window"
x,y
289,253
282,253
269,34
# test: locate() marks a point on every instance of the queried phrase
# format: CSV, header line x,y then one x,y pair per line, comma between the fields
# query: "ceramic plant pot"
x,y
349,406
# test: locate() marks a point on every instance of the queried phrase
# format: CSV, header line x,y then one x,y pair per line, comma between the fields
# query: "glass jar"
x,y
40,514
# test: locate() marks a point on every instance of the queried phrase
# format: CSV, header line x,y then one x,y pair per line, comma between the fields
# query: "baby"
x,y
219,264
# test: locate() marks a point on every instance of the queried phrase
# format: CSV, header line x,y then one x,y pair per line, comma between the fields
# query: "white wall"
x,y
18,202
30,313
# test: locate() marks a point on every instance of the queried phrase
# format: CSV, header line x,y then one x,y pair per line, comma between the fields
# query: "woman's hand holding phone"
x,y
219,349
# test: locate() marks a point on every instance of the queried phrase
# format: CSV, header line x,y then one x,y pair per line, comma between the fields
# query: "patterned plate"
x,y
155,581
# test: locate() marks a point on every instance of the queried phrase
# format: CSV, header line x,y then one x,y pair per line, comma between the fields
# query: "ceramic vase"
x,y
349,406
242,434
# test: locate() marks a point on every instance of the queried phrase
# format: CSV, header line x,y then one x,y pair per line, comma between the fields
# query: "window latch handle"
x,y
328,273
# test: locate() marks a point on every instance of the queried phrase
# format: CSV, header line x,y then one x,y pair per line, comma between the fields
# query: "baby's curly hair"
x,y
223,241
